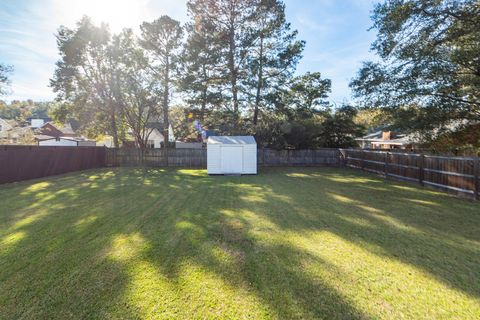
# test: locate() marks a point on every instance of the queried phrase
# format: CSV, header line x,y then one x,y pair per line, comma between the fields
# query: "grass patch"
x,y
297,243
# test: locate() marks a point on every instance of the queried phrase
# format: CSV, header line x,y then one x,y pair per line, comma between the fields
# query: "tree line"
x,y
232,66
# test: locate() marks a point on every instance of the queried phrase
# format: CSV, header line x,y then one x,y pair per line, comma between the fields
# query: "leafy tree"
x,y
9,111
303,96
429,63
136,88
302,118
83,78
20,111
274,51
339,129
162,39
373,118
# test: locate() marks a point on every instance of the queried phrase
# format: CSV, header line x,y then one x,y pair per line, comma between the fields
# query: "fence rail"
x,y
457,174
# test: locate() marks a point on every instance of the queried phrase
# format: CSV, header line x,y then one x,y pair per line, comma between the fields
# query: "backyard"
x,y
289,243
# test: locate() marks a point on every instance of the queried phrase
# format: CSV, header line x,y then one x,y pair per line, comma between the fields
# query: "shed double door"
x,y
232,159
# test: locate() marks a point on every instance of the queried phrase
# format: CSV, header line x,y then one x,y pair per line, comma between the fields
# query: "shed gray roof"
x,y
231,140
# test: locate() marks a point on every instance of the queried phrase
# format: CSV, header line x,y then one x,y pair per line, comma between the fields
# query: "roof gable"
x,y
231,140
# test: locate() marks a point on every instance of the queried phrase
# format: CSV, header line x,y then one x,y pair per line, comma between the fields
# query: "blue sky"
x,y
335,31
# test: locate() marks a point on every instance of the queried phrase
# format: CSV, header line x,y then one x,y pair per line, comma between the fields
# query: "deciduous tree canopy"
x,y
429,64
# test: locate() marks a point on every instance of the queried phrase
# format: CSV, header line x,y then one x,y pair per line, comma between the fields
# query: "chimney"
x,y
386,135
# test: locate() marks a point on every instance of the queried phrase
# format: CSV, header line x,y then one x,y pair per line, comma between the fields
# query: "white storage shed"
x,y
231,155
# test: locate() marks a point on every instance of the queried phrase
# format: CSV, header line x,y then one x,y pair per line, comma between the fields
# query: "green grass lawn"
x,y
297,243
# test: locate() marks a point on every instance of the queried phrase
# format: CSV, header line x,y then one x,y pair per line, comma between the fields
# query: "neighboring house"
x,y
53,130
10,133
64,141
156,139
36,123
50,134
386,140
5,126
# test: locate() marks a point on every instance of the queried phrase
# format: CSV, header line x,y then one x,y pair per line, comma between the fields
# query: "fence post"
x,y
288,157
421,171
387,159
476,175
342,158
362,165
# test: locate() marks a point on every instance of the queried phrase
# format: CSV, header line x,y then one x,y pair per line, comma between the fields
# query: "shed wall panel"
x,y
214,161
250,159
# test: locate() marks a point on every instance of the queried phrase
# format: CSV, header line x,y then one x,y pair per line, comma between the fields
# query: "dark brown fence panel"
x,y
19,163
275,157
190,158
198,157
403,165
313,157
456,174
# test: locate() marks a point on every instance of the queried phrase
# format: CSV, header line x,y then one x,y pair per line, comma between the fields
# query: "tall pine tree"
x,y
274,52
203,72
162,39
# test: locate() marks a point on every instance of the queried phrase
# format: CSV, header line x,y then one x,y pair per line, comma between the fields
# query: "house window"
x,y
150,144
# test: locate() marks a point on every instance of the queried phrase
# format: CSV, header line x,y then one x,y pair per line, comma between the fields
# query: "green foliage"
x,y
327,129
235,68
162,40
84,78
428,62
373,118
201,60
273,56
136,87
339,129
20,111
9,111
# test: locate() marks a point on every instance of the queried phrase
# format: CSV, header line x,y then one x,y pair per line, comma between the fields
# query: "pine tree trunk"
x,y
259,84
204,94
166,89
233,75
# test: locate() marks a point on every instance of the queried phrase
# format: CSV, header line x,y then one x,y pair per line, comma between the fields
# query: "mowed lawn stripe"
x,y
289,243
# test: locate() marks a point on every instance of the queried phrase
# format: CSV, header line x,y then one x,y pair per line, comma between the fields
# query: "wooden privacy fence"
x,y
19,163
198,157
457,174
157,157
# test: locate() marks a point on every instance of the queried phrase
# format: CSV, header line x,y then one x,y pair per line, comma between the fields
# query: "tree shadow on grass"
x,y
77,257
136,243
427,229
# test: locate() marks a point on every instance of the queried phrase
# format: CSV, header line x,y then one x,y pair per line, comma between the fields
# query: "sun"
x,y
118,14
